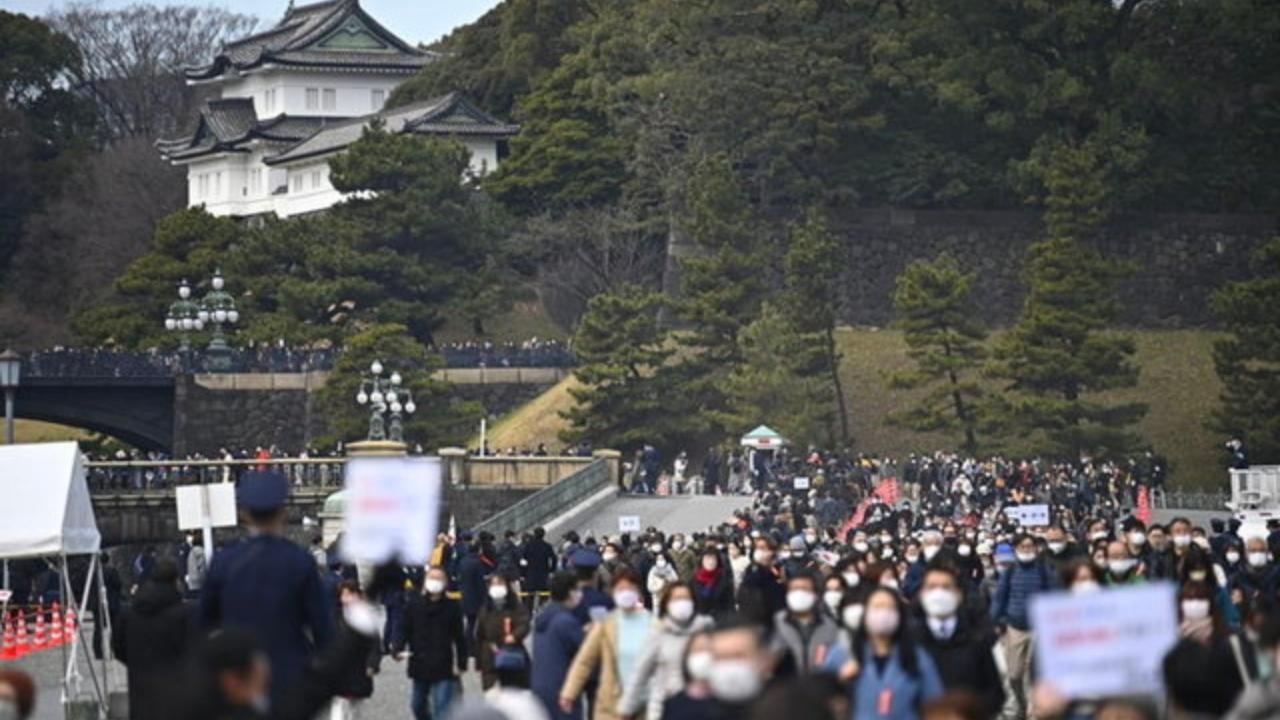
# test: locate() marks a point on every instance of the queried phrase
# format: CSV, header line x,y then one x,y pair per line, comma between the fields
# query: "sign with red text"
x,y
392,509
1108,642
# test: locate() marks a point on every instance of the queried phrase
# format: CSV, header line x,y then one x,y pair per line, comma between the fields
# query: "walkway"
x,y
681,513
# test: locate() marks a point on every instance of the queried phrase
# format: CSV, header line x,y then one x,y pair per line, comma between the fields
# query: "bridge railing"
x,y
545,505
148,475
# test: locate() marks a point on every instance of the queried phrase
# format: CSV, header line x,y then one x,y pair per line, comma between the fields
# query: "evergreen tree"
x,y
772,385
187,245
811,301
1248,359
440,419
625,397
1061,354
933,303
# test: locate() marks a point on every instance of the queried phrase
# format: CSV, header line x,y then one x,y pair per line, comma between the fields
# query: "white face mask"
x,y
677,545
710,563
762,557
851,578
930,551
939,602
861,546
1233,557
498,592
1181,540
1138,538
890,582
699,665
965,550
912,557
625,599
882,621
784,554
680,610
1195,609
660,562
1025,557
1258,559
832,599
435,587
610,557
734,681
852,616
655,549
1057,547
1085,586
1098,535
800,601
1121,566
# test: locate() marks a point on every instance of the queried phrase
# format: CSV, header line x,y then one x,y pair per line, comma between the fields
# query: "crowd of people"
x,y
846,587
277,357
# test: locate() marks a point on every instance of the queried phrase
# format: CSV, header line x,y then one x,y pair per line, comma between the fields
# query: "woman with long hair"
x,y
888,674
659,672
503,624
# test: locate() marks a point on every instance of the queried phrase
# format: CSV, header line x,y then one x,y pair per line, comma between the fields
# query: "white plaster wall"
x,y
353,91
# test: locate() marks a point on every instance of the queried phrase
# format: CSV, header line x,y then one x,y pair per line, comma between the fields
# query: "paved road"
x,y
681,513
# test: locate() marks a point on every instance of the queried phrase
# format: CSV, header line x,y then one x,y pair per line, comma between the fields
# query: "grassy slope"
x,y
34,431
1177,382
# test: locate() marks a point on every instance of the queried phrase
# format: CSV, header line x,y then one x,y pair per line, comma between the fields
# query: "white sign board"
x,y
392,509
218,500
5,595
1104,643
802,483
629,523
1029,515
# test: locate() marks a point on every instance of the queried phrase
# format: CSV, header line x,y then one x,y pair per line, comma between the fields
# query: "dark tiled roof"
x,y
450,114
292,42
226,125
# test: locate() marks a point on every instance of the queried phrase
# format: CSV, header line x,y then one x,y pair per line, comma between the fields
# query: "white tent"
x,y
46,513
46,509
763,438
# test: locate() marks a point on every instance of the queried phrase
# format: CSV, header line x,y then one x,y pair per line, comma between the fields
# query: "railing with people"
x,y
109,476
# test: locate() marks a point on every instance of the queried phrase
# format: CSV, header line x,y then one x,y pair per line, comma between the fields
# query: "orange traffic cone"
x,y
24,646
55,627
69,623
10,650
41,639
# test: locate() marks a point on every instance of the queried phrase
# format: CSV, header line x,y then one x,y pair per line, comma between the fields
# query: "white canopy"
x,y
45,508
763,438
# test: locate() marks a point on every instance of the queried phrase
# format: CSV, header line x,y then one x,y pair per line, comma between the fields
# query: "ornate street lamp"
x,y
184,316
388,402
10,375
218,308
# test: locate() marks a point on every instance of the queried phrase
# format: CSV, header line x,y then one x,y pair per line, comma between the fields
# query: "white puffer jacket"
x,y
659,672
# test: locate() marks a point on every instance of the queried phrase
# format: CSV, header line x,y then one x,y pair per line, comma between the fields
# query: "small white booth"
x,y
47,514
763,438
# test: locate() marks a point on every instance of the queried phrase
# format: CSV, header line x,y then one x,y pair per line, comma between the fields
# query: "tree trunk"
x,y
833,361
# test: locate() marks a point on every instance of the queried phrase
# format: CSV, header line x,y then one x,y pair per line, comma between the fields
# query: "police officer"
x,y
267,585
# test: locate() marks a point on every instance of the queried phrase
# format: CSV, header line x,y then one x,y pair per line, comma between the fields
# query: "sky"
x,y
414,20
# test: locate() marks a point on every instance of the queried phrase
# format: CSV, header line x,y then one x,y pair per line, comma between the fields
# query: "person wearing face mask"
x,y
802,633
152,637
833,591
1010,608
659,672
1198,567
503,624
557,636
662,574
959,643
17,695
683,558
740,668
1161,563
1260,699
1081,576
889,674
712,586
1260,576
1060,552
795,558
435,644
917,558
1122,567
694,701
1135,538
763,593
1200,621
612,647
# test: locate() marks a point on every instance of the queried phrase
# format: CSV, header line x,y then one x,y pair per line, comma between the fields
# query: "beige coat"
x,y
600,649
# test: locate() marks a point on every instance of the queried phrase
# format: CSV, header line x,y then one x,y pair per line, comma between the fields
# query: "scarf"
x,y
707,578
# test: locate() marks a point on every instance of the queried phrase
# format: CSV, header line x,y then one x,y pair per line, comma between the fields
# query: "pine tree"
x,y
1248,359
811,301
625,397
933,303
1061,353
772,385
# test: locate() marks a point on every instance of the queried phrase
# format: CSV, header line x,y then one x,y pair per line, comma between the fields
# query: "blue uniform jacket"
x,y
271,588
557,635
891,694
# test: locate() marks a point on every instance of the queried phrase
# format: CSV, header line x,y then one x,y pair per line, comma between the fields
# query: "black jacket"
x,y
965,660
762,595
540,563
151,638
357,682
433,635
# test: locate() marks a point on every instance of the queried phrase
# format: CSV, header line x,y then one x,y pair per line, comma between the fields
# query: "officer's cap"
x,y
262,491
584,558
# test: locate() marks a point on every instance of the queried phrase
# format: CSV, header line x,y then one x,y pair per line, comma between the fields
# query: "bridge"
x,y
157,401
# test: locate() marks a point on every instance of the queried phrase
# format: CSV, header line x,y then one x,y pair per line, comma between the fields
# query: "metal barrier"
x,y
544,505
1195,500
146,475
